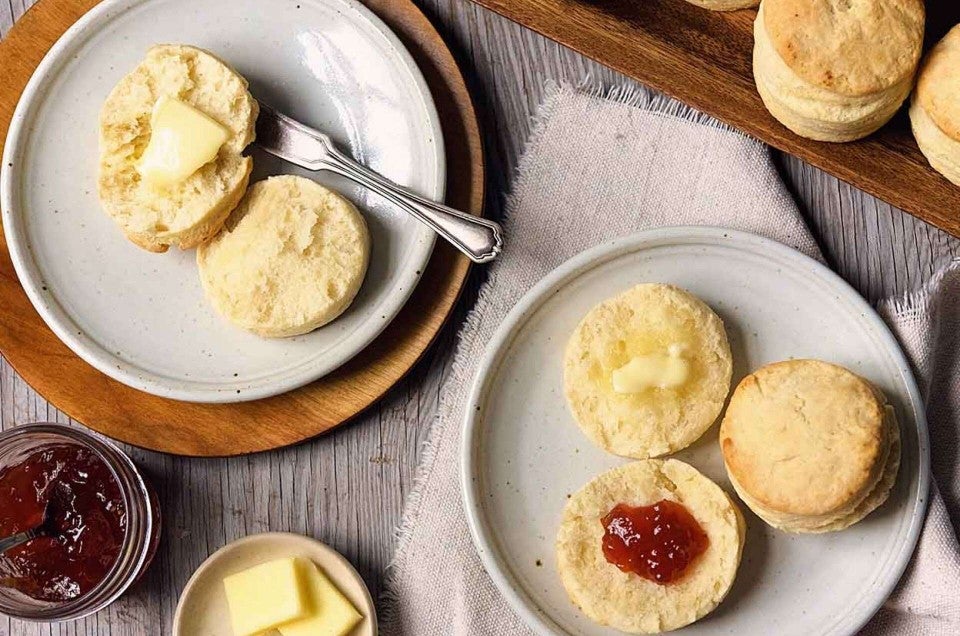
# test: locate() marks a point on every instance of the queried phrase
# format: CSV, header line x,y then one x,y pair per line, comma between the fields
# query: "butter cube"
x,y
182,139
265,596
654,370
332,614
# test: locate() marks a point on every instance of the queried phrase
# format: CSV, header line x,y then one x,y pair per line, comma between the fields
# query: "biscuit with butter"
x,y
290,258
935,107
186,210
646,372
810,446
836,70
625,600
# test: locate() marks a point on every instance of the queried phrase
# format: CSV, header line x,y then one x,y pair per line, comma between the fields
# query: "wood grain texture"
x,y
184,428
347,488
704,59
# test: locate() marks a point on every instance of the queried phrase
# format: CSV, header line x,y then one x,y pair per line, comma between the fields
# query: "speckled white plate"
x,y
203,610
141,318
523,453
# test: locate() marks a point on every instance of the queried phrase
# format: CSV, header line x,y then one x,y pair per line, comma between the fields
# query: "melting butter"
x,y
182,139
657,370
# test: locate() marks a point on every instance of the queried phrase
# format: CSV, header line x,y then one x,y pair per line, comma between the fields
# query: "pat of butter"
x,y
333,614
266,596
649,371
182,139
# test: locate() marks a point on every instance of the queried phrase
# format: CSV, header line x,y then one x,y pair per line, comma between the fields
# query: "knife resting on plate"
x,y
480,239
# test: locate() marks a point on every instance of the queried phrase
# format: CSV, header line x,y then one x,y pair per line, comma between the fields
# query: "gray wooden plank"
x,y
347,488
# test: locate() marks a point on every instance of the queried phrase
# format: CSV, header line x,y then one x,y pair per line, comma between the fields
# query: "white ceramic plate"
x,y
523,453
141,318
203,609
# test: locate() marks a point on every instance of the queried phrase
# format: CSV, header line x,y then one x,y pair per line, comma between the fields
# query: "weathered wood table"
x,y
348,487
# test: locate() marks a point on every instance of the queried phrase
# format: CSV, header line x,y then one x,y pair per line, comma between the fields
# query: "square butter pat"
x,y
265,596
332,614
182,140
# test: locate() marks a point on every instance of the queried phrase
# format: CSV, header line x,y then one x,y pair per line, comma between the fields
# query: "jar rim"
x,y
123,471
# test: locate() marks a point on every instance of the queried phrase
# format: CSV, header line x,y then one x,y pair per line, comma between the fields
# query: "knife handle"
x,y
480,239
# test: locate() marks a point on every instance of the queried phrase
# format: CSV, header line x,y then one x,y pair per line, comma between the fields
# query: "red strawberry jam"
x,y
88,514
657,542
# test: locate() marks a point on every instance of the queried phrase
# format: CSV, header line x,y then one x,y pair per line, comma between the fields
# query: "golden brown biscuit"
x,y
851,47
836,70
809,446
624,600
935,108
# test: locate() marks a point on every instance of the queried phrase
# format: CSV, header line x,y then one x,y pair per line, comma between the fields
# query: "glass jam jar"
x,y
106,513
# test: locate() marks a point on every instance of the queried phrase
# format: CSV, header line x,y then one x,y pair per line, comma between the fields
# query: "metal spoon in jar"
x,y
47,528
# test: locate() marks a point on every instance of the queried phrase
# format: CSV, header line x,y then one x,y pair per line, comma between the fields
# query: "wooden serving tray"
x,y
184,428
704,59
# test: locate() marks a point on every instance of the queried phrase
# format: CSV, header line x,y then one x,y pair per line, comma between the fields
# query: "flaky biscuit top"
x,y
852,47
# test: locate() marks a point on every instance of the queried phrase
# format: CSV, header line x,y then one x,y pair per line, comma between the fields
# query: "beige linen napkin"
x,y
598,168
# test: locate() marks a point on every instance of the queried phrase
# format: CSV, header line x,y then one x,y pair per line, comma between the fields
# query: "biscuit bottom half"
x,y
626,601
648,318
856,509
813,111
941,150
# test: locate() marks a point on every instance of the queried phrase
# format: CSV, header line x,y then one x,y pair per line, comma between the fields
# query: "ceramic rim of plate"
x,y
480,530
93,352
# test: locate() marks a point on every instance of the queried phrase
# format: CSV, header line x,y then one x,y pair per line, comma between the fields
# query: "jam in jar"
x,y
103,522
657,542
87,518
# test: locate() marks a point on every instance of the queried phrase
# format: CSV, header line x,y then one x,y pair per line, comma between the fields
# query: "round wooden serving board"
x,y
184,428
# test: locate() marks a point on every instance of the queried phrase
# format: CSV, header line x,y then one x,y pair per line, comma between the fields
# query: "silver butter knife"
x,y
481,240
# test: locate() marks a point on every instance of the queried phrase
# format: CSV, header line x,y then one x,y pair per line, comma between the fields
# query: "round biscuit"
x,y
938,85
942,151
192,211
814,111
851,47
290,258
645,319
804,438
626,601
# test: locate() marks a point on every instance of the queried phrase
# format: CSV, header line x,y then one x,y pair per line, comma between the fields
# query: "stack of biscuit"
x,y
836,70
935,108
810,446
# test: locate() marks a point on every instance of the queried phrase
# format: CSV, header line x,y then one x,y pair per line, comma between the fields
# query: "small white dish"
x,y
523,454
142,318
203,611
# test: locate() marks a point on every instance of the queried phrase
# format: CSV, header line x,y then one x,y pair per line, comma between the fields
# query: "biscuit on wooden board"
x,y
935,108
836,70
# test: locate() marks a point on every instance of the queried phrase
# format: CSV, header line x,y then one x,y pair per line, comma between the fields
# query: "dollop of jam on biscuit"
x,y
658,542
